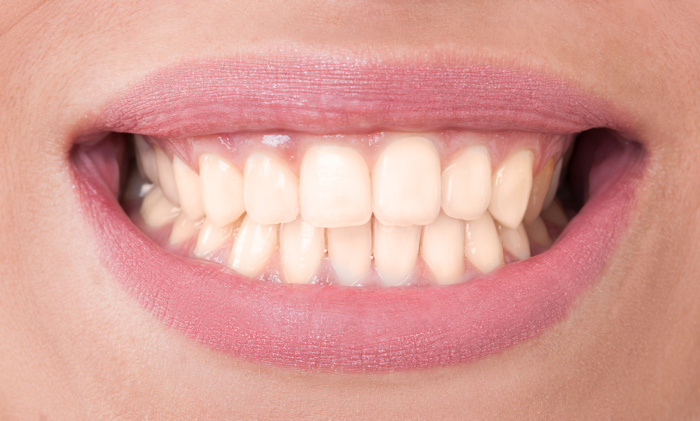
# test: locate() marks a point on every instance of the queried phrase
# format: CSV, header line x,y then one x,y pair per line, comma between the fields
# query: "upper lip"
x,y
352,329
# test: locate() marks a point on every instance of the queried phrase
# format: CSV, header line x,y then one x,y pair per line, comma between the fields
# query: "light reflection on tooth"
x,y
222,189
350,252
466,184
537,232
301,250
189,189
515,241
211,237
482,246
156,211
406,183
553,186
334,187
146,159
253,246
442,248
395,251
270,190
510,189
540,187
166,178
183,229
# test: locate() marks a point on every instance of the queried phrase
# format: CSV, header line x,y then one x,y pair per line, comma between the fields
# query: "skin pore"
x,y
75,345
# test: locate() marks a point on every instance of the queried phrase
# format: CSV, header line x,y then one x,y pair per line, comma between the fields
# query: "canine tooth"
x,y
350,251
540,188
515,241
222,189
183,229
510,189
156,211
553,186
442,248
189,190
211,237
166,178
466,184
406,183
537,232
395,251
482,245
146,159
270,190
253,246
555,214
301,250
334,187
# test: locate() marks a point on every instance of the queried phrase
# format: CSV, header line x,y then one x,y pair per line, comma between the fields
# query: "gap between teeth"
x,y
461,218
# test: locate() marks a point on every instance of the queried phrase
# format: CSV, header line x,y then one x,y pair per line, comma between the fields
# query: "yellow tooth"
x,y
156,211
555,214
537,232
211,237
442,248
515,241
395,251
553,186
183,229
166,178
253,247
189,190
146,159
222,189
466,184
301,249
482,245
406,183
270,190
350,252
540,187
334,187
510,188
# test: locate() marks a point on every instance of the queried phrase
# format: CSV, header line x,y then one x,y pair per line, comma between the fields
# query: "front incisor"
x,y
270,190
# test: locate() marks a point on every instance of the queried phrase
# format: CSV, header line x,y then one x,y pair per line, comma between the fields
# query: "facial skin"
x,y
75,345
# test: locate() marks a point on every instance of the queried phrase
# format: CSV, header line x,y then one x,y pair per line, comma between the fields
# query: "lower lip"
x,y
333,328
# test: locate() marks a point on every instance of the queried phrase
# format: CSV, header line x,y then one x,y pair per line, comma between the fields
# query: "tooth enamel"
x,y
183,229
222,189
146,159
253,246
166,178
466,184
395,251
537,232
350,252
553,186
442,248
211,237
156,211
482,246
515,241
540,187
406,183
334,187
555,214
510,189
270,190
301,250
189,190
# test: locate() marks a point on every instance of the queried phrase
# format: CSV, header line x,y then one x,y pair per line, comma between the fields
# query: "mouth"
x,y
349,216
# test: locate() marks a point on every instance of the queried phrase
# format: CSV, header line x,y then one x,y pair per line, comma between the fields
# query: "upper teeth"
x,y
406,191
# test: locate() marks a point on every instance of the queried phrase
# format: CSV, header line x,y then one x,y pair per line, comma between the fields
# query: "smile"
x,y
354,216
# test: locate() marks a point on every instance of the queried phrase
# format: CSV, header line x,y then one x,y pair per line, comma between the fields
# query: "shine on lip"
x,y
332,327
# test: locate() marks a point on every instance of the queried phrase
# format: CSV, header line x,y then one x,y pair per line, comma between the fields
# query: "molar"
x,y
166,178
156,210
146,159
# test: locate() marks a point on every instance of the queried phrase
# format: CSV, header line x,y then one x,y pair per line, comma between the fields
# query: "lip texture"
x,y
354,329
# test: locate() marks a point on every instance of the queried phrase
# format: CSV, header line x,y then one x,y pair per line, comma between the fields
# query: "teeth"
x,y
334,187
482,245
253,246
555,214
211,238
270,190
222,190
515,241
156,210
301,250
554,185
189,190
537,232
395,251
540,187
350,252
442,248
146,159
510,190
466,184
166,178
183,229
406,183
